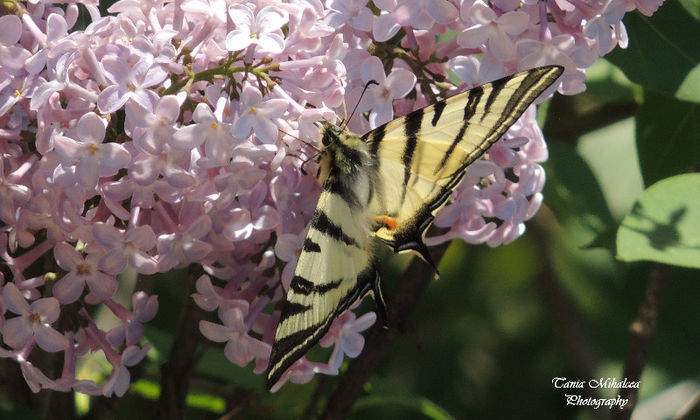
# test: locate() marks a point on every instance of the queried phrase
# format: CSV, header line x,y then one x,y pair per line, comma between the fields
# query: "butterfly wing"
x,y
422,156
334,270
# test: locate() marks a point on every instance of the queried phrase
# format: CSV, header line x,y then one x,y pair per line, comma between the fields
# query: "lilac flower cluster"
x,y
172,133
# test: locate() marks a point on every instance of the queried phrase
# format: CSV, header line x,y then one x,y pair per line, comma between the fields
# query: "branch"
x,y
176,371
407,294
642,332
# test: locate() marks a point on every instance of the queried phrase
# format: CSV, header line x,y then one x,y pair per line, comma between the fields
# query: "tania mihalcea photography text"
x,y
608,383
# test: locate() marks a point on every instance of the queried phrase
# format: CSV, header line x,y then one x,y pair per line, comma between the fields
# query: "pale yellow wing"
x,y
422,156
334,270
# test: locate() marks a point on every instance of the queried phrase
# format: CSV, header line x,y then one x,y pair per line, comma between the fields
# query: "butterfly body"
x,y
388,183
340,232
347,167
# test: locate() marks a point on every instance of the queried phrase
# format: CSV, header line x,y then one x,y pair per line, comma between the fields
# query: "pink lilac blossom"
x,y
81,271
261,29
379,98
86,155
173,133
130,331
33,323
258,115
240,348
495,32
345,336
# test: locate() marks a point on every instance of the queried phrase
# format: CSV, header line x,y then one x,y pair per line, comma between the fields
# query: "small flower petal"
x,y
50,340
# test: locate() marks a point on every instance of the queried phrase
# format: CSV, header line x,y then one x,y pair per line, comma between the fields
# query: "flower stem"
x,y
223,70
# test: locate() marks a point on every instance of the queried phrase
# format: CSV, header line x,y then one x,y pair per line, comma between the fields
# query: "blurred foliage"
x,y
490,335
668,37
678,124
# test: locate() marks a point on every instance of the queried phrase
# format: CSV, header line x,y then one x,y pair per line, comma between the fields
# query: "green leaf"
x,y
414,403
693,7
664,224
604,240
663,53
207,402
667,132
607,83
146,388
611,153
201,400
673,401
567,195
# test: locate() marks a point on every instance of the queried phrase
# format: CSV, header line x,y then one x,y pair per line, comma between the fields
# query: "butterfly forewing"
x,y
422,156
333,271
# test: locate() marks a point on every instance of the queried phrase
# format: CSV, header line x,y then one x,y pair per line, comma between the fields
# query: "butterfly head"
x,y
331,134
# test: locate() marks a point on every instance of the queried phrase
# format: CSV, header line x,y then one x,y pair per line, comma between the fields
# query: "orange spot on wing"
x,y
388,222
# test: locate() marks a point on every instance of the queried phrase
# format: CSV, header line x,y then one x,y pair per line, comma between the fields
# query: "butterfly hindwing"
x,y
422,156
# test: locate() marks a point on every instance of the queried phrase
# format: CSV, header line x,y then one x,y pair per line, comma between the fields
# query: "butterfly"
x,y
388,184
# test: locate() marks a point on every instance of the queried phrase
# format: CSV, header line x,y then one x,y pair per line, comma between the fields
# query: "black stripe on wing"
x,y
496,88
305,287
374,138
311,246
474,96
288,349
437,109
410,235
323,224
294,308
413,122
529,89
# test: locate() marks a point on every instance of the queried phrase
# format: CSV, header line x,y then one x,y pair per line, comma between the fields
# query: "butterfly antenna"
x,y
370,83
303,161
306,143
301,168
